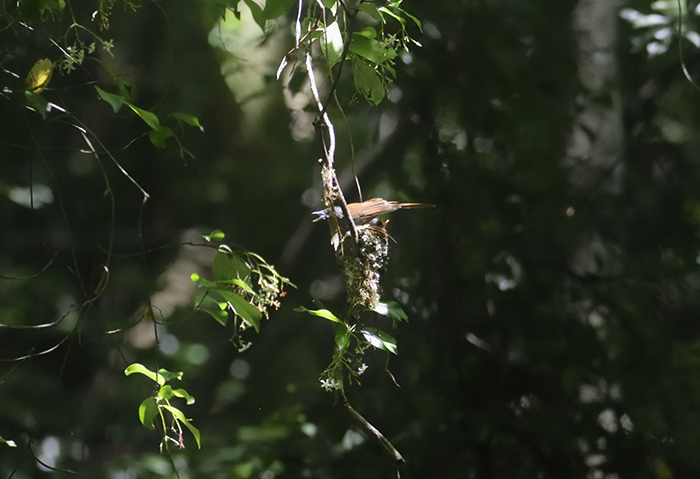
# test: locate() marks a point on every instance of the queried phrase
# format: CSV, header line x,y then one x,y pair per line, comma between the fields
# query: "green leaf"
x,y
123,85
217,235
170,375
414,19
380,340
323,313
208,284
385,10
159,136
332,43
54,6
178,415
150,118
370,9
221,316
222,6
203,282
116,101
229,266
166,392
371,49
391,309
189,119
8,442
148,411
181,393
248,313
38,103
368,32
342,338
257,13
368,82
141,369
39,76
243,285
276,8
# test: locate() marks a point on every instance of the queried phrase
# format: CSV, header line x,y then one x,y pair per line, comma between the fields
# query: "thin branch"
x,y
332,187
330,151
369,429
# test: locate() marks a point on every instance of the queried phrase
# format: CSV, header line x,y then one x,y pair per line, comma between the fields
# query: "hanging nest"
x,y
364,268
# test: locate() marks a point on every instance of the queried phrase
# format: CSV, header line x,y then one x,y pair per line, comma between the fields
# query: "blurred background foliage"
x,y
554,323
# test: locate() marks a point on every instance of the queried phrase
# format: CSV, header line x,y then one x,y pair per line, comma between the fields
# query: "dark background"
x,y
515,363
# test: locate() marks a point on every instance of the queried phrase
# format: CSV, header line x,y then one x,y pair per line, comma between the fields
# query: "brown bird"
x,y
363,213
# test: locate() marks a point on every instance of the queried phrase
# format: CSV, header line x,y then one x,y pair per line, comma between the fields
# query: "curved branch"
x,y
369,429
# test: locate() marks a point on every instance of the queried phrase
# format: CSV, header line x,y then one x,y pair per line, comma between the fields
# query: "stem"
x,y
369,429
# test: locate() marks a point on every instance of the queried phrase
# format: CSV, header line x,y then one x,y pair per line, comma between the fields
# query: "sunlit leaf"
x,y
8,442
189,119
181,393
203,282
391,309
166,392
217,235
323,313
243,285
332,43
141,369
380,340
150,118
368,82
177,414
39,76
248,312
148,411
371,49
228,266
640,20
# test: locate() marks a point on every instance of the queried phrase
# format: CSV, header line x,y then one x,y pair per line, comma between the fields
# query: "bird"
x,y
365,212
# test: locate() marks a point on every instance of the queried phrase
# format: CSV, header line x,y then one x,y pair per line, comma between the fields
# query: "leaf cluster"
x,y
157,405
243,285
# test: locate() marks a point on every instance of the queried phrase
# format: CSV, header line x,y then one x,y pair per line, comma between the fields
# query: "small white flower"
x,y
330,384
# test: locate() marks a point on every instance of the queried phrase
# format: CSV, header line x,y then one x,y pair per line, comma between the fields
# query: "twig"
x,y
372,431
333,193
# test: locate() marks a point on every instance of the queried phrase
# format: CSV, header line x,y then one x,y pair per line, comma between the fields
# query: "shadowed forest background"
x,y
552,294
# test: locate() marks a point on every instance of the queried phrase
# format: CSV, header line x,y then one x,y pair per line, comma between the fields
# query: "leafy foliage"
x,y
244,284
157,405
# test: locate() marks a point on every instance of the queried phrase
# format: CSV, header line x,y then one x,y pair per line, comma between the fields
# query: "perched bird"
x,y
363,213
